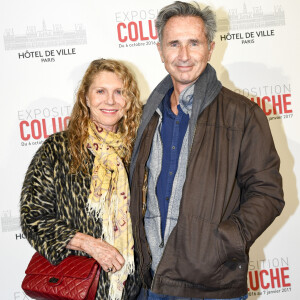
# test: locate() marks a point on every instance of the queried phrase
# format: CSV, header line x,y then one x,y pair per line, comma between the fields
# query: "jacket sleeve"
x,y
261,188
48,234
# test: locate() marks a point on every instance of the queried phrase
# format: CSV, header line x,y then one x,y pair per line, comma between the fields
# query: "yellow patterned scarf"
x,y
109,199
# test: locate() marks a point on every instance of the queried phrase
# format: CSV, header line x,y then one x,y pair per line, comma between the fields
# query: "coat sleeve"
x,y
48,234
261,188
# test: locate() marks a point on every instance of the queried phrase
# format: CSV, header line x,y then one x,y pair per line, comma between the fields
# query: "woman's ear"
x,y
87,101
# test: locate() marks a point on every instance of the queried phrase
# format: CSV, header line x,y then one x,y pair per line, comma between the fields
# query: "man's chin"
x,y
184,81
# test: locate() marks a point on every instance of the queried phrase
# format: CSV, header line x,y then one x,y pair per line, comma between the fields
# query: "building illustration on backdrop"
x,y
9,222
251,19
54,37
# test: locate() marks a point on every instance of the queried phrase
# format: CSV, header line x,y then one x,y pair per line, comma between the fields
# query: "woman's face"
x,y
105,100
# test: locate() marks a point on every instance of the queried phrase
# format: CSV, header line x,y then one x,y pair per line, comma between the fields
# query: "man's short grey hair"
x,y
184,9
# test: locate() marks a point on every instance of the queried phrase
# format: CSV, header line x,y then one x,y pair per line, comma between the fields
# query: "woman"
x,y
75,196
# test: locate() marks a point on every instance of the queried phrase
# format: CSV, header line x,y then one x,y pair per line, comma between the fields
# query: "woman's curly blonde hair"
x,y
78,126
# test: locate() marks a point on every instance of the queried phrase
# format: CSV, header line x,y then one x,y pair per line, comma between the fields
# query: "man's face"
x,y
184,49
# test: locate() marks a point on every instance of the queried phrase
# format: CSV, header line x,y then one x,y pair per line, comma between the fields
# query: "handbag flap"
x,y
72,266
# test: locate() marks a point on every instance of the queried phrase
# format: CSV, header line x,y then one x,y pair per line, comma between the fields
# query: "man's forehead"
x,y
183,28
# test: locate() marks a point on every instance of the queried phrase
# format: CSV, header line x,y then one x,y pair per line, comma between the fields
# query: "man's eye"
x,y
174,44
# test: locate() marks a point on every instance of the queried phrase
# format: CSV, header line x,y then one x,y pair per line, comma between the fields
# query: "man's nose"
x,y
184,53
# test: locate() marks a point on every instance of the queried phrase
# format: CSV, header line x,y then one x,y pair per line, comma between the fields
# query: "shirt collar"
x,y
167,103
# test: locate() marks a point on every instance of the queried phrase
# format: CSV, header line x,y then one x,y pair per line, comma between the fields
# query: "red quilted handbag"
x,y
75,278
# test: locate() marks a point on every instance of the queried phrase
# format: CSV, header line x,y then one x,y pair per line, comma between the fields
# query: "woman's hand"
x,y
105,254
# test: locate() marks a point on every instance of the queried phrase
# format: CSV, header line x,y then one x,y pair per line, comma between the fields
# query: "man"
x,y
208,161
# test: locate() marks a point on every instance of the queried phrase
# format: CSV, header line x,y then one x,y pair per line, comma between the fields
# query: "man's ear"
x,y
211,49
158,45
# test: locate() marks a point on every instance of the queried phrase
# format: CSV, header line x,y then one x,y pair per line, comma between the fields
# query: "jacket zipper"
x,y
138,244
156,179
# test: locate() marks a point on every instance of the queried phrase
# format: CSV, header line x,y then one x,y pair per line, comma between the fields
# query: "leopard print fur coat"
x,y
53,208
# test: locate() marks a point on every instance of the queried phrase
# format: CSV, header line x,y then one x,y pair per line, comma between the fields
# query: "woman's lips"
x,y
109,111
